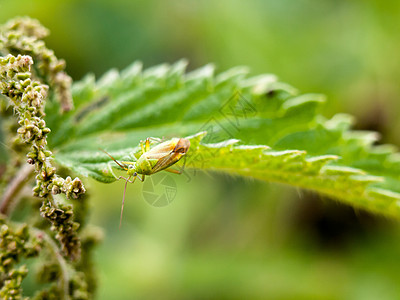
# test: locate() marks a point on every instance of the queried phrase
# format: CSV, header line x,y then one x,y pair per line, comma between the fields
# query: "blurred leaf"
x,y
237,112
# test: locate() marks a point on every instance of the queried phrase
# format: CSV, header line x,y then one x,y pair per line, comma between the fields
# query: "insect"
x,y
152,160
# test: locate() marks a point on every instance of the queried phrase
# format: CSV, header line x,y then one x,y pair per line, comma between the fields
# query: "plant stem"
x,y
15,186
64,282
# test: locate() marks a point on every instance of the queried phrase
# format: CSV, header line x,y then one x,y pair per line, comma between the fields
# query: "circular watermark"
x,y
160,190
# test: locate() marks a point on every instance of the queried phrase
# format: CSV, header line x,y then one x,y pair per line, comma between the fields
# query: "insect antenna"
x,y
117,162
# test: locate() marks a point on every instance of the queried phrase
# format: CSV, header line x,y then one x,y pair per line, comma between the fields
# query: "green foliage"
x,y
243,117
249,126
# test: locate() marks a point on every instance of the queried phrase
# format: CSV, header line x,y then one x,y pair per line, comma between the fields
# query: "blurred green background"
x,y
233,238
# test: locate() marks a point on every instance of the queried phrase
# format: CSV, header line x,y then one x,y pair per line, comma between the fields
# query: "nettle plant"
x,y
248,126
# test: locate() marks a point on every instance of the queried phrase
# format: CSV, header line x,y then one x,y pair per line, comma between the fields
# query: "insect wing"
x,y
166,161
165,153
165,147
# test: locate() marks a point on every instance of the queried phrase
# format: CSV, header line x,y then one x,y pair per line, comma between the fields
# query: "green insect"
x,y
160,157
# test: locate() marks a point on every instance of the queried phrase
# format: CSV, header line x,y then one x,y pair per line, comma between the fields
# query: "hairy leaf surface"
x,y
249,126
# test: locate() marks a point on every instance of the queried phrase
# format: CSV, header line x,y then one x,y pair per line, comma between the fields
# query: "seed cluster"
x,y
61,219
15,244
27,97
24,36
26,86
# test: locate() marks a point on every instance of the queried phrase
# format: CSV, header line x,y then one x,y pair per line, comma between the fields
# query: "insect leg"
x,y
123,198
141,179
115,176
173,171
157,140
147,144
111,170
142,147
181,169
184,164
126,179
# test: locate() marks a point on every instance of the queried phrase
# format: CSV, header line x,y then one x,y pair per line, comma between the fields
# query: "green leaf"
x,y
248,126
